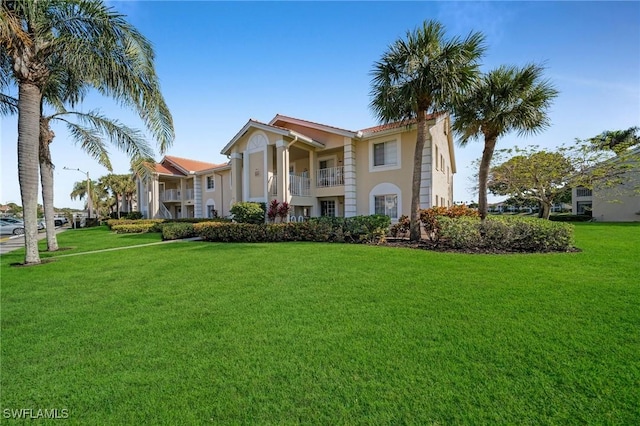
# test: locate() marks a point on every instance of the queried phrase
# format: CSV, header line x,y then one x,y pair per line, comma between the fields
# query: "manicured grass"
x,y
202,333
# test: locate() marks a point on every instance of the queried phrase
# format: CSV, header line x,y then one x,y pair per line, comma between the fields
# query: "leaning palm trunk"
x,y
28,137
415,233
46,179
483,175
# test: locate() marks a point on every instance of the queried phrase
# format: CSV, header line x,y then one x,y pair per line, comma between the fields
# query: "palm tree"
x,y
420,75
92,41
121,186
617,141
506,99
97,193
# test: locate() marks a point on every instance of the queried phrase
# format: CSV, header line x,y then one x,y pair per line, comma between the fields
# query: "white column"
x,y
350,196
425,178
197,196
282,161
236,177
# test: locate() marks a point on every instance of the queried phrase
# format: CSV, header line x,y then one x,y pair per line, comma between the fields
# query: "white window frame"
x,y
385,202
385,189
206,182
385,167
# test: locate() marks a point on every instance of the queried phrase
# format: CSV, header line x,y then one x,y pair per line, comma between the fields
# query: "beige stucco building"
x,y
620,203
320,170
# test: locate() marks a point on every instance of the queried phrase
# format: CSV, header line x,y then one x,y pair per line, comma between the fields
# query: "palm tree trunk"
x,y
46,179
414,224
483,176
28,140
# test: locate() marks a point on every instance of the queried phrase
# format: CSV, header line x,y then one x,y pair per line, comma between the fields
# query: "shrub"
x,y
176,231
571,217
133,228
113,222
248,212
429,217
400,228
133,215
517,234
359,229
272,211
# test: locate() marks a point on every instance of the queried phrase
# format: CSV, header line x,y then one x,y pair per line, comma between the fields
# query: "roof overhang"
x,y
312,125
253,124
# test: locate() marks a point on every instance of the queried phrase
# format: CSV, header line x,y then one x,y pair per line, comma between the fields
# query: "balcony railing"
x,y
176,195
332,176
583,192
170,195
298,185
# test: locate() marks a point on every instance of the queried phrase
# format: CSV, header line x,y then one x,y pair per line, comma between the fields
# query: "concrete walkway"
x,y
8,244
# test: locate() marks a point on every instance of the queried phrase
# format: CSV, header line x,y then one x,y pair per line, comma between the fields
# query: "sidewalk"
x,y
14,242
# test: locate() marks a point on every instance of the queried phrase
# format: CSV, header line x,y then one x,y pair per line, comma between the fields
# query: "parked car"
x,y
41,224
60,220
8,227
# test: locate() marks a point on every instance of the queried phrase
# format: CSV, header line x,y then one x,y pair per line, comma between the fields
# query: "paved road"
x,y
10,243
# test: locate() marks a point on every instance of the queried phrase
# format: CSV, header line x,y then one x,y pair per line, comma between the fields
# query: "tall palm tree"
x,y
94,42
420,75
96,193
121,186
506,99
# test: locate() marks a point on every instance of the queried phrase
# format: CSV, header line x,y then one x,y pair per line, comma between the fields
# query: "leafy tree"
x,y
617,141
97,193
533,175
91,41
506,99
419,75
122,187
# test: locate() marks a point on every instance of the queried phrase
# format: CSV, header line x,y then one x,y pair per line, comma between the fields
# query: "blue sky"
x,y
221,63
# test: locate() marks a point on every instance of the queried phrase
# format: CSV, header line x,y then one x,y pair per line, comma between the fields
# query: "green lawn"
x,y
208,333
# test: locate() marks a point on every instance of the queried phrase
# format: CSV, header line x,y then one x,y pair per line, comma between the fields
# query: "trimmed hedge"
x,y
115,222
177,231
133,228
249,212
514,234
358,229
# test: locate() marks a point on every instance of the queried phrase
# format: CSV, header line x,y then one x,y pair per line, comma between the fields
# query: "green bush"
x,y
133,228
133,215
176,231
514,234
248,212
113,222
429,217
360,229
570,218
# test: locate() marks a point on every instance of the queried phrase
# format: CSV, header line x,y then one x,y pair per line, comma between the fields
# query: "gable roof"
x,y
283,131
397,124
178,166
318,126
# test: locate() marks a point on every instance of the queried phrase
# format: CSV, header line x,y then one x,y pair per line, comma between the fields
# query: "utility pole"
x,y
89,201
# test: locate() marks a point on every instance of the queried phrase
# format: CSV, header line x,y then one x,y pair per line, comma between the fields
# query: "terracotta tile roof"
x,y
191,165
396,124
167,169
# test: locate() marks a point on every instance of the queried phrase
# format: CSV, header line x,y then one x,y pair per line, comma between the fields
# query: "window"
x,y
436,157
385,154
442,163
387,205
211,212
211,183
328,208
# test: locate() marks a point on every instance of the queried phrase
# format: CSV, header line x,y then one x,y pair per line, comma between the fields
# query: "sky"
x,y
222,63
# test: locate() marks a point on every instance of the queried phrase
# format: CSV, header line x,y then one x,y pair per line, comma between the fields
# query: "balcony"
x,y
332,176
170,195
583,192
298,185
175,195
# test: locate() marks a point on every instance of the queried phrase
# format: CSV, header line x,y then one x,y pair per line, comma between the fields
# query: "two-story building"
x,y
320,170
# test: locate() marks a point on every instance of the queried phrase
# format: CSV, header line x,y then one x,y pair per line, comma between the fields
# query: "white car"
x,y
8,227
